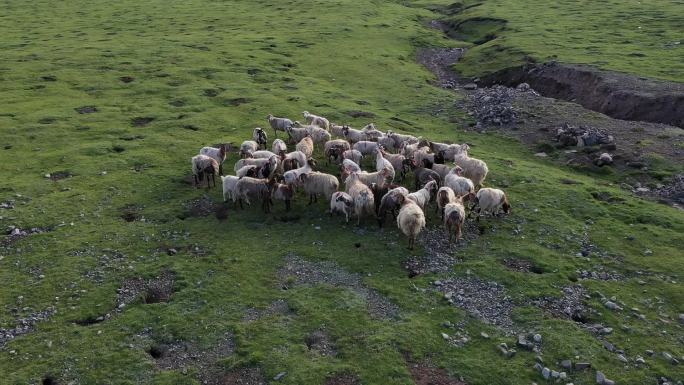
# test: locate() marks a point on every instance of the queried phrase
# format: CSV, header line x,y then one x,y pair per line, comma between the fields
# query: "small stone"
x,y
103,173
606,331
600,377
622,358
563,375
470,86
681,318
546,373
537,338
47,175
438,283
172,251
554,374
640,360
484,335
537,366
612,305
650,352
541,155
279,376
445,336
566,364
608,382
539,359
582,365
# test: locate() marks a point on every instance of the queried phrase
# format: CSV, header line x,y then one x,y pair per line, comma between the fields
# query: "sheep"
x,y
262,154
397,161
491,200
283,192
260,162
365,147
401,139
353,135
362,196
316,120
423,196
248,147
219,154
441,169
368,178
371,132
337,130
279,147
247,187
353,155
411,219
422,174
318,135
461,186
350,166
341,203
250,170
299,156
407,149
291,177
475,169
306,146
382,163
445,195
449,152
390,204
315,183
453,217
203,165
295,134
422,154
335,148
229,182
259,136
278,124
386,142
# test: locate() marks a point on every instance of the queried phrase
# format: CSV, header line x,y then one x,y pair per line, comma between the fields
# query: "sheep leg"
x,y
458,231
221,169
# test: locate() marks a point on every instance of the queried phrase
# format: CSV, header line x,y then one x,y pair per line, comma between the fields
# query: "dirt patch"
x,y
440,61
59,175
438,252
521,265
237,101
86,109
343,379
320,342
16,233
201,207
24,325
297,272
671,192
360,114
131,213
277,307
141,121
154,290
126,79
211,93
477,30
599,275
243,376
177,103
48,78
569,306
424,373
620,96
484,300
183,355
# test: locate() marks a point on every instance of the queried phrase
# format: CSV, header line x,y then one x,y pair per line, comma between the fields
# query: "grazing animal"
x,y
422,174
250,171
316,120
362,196
474,169
397,161
372,133
204,166
365,147
295,134
248,147
315,183
248,188
291,177
279,124
382,163
378,177
337,130
229,182
454,216
341,203
283,192
353,155
219,154
423,196
401,140
306,146
411,219
279,147
353,135
491,200
389,203
335,148
259,136
445,195
461,185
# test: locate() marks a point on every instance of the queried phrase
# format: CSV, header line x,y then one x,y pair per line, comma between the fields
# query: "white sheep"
x,y
315,183
318,135
401,139
382,163
411,219
454,216
299,156
219,154
365,147
397,161
337,130
422,155
279,147
445,195
291,177
372,133
389,203
259,136
204,166
368,178
316,120
441,169
262,154
341,203
247,147
461,185
475,169
283,192
491,200
279,124
353,135
362,195
353,155
251,188
335,148
387,143
350,166
296,134
250,170
407,149
306,146
229,182
423,196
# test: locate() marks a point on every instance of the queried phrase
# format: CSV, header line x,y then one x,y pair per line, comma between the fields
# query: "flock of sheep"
x,y
263,175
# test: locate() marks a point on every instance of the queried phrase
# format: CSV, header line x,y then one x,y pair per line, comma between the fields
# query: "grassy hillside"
x,y
643,38
166,78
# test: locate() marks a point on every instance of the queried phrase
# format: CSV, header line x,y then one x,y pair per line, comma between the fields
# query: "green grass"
x,y
636,37
325,57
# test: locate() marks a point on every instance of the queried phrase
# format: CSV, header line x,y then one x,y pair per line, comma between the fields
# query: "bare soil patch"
x,y
360,114
59,175
131,213
24,325
297,272
439,254
424,373
237,101
201,207
569,306
243,376
439,62
86,109
141,121
277,307
521,265
126,79
320,342
153,290
343,379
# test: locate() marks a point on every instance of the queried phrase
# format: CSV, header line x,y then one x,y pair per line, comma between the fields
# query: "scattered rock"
x,y
141,121
570,306
494,105
582,365
279,376
566,364
25,325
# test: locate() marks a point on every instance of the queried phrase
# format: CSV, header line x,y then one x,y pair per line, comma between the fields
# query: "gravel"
x,y
298,271
569,306
25,325
494,105
438,254
484,300
277,307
